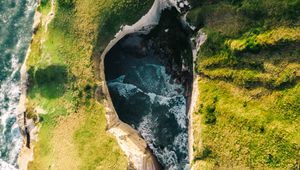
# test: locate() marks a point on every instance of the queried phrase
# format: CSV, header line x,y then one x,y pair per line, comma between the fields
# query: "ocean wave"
x,y
166,154
10,138
16,18
161,111
5,166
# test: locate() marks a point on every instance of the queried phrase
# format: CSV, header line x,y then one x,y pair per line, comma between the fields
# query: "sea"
x,y
146,97
16,19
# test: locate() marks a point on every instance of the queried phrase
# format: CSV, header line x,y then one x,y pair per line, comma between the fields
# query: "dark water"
x,y
147,97
16,18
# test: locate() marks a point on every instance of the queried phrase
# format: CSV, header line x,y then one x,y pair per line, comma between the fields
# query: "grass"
x,y
97,153
249,71
62,81
246,131
271,38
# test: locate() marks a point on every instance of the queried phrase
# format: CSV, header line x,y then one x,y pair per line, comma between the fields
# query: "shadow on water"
x,y
149,78
51,80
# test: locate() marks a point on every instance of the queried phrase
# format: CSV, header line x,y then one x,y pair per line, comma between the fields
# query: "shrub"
x,y
210,115
203,154
45,2
213,44
30,112
66,4
252,9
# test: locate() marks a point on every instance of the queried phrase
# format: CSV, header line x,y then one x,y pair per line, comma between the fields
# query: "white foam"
x,y
180,142
179,111
10,139
152,97
148,81
9,93
6,166
166,155
124,90
170,159
149,123
146,127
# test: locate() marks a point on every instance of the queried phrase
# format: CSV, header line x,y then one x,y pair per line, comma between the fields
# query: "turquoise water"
x,y
16,19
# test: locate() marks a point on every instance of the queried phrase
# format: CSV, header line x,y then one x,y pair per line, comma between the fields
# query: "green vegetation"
x,y
63,80
247,131
279,36
102,153
249,71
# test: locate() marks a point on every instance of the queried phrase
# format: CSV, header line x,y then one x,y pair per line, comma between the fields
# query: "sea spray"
x,y
16,19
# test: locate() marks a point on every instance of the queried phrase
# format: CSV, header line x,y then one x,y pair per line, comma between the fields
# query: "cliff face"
x,y
248,84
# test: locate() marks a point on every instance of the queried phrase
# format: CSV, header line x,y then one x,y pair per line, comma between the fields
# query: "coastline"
x,y
27,127
199,40
26,154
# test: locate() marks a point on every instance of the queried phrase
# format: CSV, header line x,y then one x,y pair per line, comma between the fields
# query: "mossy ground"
x,y
249,67
62,81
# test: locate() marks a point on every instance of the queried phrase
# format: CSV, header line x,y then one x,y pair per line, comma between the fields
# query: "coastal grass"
x,y
102,153
241,131
249,69
62,82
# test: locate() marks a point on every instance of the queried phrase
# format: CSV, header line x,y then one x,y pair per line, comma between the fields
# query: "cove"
x,y
149,80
